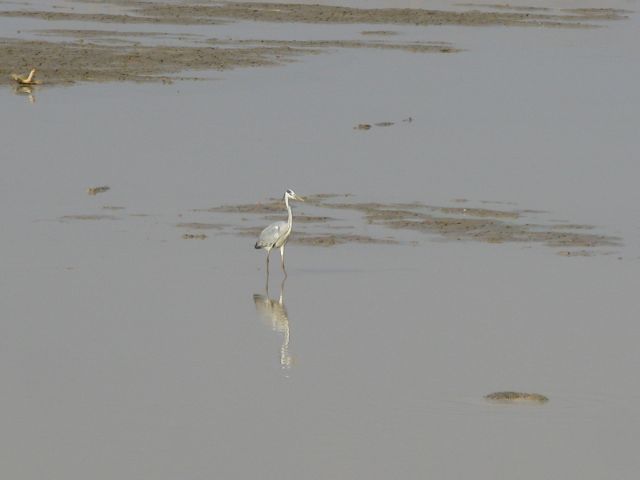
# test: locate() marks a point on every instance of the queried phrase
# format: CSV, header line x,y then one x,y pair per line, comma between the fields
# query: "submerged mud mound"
x,y
516,397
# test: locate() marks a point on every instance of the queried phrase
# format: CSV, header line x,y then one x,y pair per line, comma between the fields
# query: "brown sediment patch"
x,y
381,33
89,34
90,58
304,218
478,212
201,226
299,13
449,223
571,239
97,190
497,202
109,18
329,240
599,13
414,47
576,253
118,38
516,397
321,239
570,226
489,230
340,227
88,217
253,208
112,207
505,6
194,236
68,62
316,198
363,206
198,14
368,126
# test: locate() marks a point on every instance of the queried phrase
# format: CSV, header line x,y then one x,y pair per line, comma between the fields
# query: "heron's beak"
x,y
298,197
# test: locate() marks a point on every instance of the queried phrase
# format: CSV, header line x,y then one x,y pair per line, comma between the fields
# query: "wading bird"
x,y
28,80
277,234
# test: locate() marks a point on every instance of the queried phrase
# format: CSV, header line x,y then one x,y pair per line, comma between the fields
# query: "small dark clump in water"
x,y
515,397
96,190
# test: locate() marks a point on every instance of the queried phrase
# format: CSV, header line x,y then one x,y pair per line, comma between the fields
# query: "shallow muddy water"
x,y
128,351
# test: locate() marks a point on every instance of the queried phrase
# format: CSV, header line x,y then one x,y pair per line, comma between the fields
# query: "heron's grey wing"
x,y
271,234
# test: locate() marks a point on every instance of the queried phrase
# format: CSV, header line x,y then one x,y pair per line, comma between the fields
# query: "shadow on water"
x,y
274,314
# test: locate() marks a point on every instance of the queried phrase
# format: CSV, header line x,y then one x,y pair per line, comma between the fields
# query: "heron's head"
x,y
293,195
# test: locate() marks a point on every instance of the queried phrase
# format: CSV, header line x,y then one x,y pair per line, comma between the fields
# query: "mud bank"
x,y
94,55
94,61
198,14
446,223
70,62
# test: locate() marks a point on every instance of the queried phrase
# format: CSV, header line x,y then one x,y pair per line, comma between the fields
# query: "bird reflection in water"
x,y
274,314
27,91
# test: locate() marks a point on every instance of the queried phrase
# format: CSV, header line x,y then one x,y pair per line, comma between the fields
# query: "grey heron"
x,y
277,234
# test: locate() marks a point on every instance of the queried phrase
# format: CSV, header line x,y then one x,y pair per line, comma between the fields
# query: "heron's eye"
x,y
290,192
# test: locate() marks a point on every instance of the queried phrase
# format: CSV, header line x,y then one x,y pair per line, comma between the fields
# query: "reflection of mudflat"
x,y
274,313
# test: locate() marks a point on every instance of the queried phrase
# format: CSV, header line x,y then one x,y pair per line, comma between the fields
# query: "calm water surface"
x,y
128,352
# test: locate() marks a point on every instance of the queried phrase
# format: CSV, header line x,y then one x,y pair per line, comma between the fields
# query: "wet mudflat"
x,y
487,248
195,13
448,223
96,55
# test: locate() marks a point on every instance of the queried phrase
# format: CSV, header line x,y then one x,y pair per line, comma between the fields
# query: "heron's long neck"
x,y
290,218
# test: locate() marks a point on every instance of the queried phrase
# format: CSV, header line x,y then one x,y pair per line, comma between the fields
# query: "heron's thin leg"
x,y
268,253
282,259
